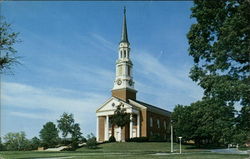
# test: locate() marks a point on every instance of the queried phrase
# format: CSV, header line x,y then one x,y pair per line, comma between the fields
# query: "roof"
x,y
153,108
136,104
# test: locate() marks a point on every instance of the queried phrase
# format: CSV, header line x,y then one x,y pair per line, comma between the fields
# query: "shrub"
x,y
137,139
112,139
91,142
156,138
83,139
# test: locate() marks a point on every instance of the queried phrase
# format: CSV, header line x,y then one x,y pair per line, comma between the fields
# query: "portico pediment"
x,y
111,105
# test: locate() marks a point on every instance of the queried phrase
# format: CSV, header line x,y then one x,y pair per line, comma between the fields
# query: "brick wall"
x,y
154,129
124,94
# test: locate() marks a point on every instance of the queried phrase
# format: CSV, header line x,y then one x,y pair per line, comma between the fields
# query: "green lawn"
x,y
124,151
136,147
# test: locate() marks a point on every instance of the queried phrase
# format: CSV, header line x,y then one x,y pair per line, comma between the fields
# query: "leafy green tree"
x,y
7,40
2,148
208,121
244,119
49,135
219,44
183,122
240,137
68,127
242,132
65,124
35,143
16,141
120,117
215,121
76,135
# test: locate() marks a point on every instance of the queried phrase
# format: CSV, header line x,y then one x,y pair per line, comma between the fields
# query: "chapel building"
x,y
146,120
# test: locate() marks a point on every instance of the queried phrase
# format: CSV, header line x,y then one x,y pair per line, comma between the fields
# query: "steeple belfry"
x,y
124,84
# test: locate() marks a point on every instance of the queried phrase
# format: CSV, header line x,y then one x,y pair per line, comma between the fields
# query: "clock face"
x,y
119,82
130,82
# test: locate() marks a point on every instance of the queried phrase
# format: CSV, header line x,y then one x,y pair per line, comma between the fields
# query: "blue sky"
x,y
68,52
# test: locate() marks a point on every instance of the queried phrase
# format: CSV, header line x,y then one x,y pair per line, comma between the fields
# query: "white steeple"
x,y
124,76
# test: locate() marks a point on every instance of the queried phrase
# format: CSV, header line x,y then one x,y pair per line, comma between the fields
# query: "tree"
x,y
219,44
68,126
49,135
16,141
183,123
208,121
35,143
120,117
2,148
65,124
242,133
7,40
244,119
76,135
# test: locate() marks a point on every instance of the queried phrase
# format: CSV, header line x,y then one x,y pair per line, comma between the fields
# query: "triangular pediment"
x,y
111,104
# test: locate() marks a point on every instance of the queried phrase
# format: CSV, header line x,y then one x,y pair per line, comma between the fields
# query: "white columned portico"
x,y
107,128
97,128
131,126
138,124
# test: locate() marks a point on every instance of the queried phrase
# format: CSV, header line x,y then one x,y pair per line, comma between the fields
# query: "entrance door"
x,y
117,134
134,133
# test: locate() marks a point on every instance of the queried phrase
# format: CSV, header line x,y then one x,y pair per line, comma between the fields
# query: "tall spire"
x,y
124,84
124,28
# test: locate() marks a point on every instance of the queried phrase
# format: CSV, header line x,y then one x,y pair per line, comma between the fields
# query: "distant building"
x,y
146,120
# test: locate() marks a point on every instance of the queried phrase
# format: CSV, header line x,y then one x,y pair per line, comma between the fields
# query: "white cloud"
x,y
54,100
30,115
169,85
97,41
104,42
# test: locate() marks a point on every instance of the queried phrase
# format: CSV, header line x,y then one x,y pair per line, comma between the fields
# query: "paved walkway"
x,y
230,151
57,149
54,158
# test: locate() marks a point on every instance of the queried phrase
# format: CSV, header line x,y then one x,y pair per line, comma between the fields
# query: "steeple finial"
x,y
124,28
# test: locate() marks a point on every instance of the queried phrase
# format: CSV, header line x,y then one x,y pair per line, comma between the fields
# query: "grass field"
x,y
125,150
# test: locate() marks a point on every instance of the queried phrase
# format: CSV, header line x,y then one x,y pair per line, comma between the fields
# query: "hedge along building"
x,y
146,120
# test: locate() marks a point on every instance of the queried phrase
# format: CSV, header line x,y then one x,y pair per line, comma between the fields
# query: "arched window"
x,y
125,54
120,54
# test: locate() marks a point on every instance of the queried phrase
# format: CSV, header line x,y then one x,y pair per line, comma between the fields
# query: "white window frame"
x,y
151,122
158,123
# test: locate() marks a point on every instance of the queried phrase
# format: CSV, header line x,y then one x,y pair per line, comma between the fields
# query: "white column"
x,y
138,124
120,130
131,127
107,128
97,128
